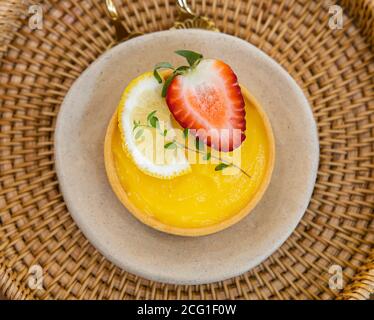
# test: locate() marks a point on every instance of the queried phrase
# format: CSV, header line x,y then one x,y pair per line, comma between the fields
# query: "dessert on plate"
x,y
189,151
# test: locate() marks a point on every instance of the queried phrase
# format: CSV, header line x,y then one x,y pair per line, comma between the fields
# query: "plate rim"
x,y
160,278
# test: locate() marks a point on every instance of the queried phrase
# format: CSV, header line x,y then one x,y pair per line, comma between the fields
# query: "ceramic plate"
x,y
80,132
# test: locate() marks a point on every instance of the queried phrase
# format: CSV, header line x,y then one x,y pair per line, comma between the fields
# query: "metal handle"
x,y
183,6
113,13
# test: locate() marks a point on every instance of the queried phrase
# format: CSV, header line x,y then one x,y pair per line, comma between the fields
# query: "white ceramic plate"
x,y
80,131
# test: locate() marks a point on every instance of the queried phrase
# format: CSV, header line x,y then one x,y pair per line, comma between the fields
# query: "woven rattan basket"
x,y
334,68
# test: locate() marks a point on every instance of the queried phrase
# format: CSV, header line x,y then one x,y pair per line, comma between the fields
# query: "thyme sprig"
x,y
153,122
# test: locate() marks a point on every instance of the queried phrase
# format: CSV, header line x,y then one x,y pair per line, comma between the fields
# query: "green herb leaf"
x,y
164,65
153,121
161,65
139,133
151,114
185,132
165,133
207,156
182,69
193,58
221,166
170,145
199,144
136,124
167,84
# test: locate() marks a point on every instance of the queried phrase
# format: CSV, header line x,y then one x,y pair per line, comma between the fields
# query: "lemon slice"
x,y
148,132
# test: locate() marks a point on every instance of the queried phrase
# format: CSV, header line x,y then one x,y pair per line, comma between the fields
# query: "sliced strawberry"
x,y
208,99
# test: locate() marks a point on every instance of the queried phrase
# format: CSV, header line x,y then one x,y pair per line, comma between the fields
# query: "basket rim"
x,y
362,284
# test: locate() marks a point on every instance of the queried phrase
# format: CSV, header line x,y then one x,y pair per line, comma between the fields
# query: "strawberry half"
x,y
208,100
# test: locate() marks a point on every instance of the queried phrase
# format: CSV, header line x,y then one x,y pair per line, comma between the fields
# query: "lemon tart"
x,y
179,195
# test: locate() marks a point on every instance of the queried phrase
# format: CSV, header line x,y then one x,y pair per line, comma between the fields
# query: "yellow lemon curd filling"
x,y
202,197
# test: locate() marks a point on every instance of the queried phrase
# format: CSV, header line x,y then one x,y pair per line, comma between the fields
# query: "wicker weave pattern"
x,y
335,69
